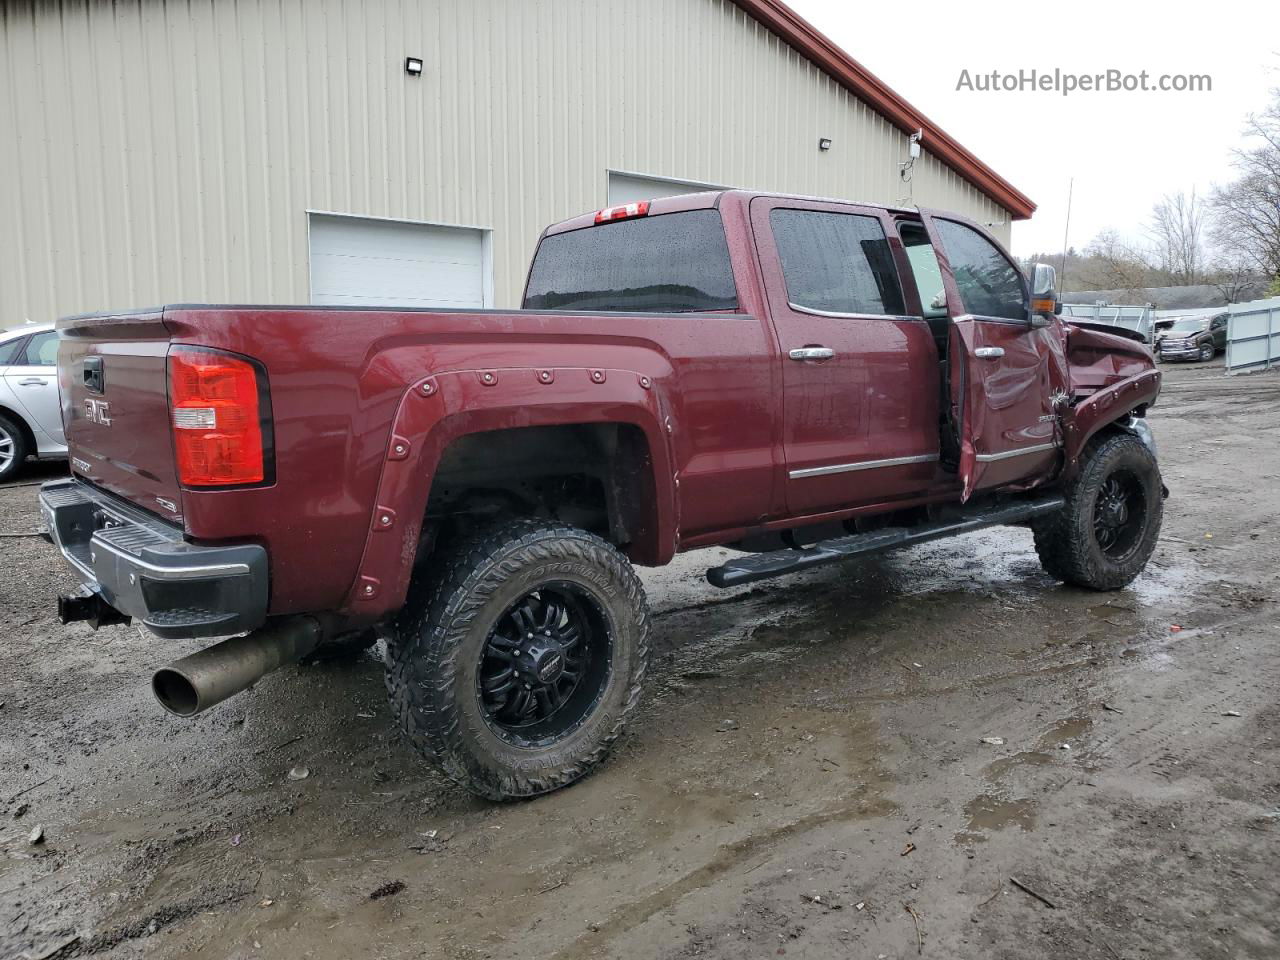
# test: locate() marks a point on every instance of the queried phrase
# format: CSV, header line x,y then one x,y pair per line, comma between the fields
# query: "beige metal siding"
x,y
162,150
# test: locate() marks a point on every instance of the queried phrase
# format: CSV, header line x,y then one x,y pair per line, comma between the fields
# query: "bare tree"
x,y
1113,264
1177,230
1246,211
1235,279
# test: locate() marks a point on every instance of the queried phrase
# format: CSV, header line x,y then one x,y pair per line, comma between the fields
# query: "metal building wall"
x,y
168,150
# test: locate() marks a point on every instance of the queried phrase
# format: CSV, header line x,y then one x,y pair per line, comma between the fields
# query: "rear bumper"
x,y
142,566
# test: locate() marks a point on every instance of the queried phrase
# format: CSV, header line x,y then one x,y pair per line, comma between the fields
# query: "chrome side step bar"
x,y
762,566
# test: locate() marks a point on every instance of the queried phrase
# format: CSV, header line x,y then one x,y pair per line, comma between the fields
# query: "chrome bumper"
x,y
142,567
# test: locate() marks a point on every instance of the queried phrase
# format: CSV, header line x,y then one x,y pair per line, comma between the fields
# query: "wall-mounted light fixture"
x,y
824,143
906,168
413,66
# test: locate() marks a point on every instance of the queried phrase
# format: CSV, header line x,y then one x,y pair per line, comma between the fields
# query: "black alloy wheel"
x,y
1119,514
545,664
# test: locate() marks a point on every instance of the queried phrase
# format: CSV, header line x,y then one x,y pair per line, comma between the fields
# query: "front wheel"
x,y
1107,531
1206,352
518,656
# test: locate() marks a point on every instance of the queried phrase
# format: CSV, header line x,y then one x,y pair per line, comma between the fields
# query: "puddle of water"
x,y
988,812
1065,731
1031,758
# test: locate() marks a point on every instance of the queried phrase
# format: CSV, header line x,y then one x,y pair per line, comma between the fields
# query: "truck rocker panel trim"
x,y
861,465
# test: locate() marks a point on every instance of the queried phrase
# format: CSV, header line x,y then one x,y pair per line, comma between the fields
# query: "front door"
x,y
1008,376
860,396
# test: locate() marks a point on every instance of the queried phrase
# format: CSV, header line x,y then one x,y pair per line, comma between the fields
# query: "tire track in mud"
x,y
632,915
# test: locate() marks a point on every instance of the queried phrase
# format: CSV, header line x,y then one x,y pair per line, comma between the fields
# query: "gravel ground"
x,y
851,809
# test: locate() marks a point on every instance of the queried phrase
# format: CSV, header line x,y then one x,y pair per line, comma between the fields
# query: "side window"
x,y
42,350
836,262
1219,322
9,351
989,284
925,269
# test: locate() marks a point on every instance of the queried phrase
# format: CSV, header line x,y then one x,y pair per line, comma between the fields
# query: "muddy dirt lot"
x,y
807,775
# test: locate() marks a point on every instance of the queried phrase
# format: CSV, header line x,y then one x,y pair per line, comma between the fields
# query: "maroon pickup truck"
x,y
802,380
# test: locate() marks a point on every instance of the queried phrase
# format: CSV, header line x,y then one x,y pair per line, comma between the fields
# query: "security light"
x,y
413,66
824,143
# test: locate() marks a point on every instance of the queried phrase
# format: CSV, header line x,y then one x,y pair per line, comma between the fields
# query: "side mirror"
x,y
1044,303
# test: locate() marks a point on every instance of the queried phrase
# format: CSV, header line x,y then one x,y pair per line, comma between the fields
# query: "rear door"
x,y
1007,376
32,379
860,394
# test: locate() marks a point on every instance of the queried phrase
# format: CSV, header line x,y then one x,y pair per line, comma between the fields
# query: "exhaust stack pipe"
x,y
195,683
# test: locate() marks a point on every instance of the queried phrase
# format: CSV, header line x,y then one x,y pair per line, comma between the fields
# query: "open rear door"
x,y
1007,374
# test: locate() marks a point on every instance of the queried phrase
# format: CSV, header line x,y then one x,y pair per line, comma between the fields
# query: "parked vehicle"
x,y
30,414
1193,338
735,369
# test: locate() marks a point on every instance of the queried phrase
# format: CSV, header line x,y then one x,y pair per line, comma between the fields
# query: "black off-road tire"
x,y
434,656
15,448
1206,353
1067,541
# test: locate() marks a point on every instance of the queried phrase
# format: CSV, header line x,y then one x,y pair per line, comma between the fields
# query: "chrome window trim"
x,y
835,315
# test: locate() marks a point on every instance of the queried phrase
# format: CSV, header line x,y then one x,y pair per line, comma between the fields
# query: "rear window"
x,y
9,350
668,264
42,350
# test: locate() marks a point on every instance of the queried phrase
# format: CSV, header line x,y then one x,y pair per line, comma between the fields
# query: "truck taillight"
x,y
217,409
625,212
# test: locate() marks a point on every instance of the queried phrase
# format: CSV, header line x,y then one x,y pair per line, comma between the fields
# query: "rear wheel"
x,y
1107,531
518,657
13,448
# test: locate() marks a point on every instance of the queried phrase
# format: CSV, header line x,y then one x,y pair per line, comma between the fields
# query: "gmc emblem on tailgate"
x,y
98,411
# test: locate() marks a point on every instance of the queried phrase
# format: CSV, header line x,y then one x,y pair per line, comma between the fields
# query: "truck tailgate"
x,y
115,407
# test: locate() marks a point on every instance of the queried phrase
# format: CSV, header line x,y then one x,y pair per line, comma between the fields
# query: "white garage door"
x,y
386,263
628,188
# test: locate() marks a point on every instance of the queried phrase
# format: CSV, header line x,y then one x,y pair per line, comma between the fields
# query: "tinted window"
x,y
837,262
677,262
988,283
42,350
9,350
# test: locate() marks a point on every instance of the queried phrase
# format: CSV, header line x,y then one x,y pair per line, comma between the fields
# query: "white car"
x,y
30,411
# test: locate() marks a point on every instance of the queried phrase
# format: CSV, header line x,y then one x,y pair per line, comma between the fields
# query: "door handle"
x,y
33,382
812,353
989,353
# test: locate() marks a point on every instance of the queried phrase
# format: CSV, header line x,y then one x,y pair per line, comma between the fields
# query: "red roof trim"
x,y
804,37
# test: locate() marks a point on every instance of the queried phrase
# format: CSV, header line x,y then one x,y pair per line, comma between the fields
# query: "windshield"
x,y
665,264
1189,324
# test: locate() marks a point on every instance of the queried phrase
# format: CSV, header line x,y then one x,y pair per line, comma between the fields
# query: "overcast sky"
x,y
1125,150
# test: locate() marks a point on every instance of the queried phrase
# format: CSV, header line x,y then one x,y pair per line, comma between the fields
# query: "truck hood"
x,y
1098,357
